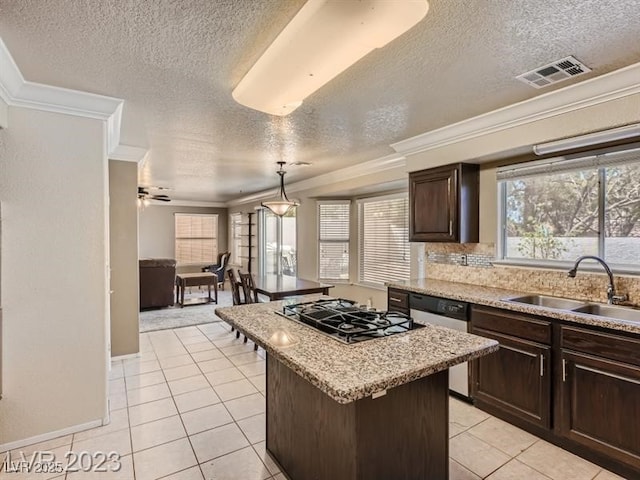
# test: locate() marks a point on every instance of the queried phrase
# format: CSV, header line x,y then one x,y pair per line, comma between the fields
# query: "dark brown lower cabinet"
x,y
516,379
573,385
515,382
600,404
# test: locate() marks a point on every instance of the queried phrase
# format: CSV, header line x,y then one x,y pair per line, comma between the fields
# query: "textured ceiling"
x,y
175,63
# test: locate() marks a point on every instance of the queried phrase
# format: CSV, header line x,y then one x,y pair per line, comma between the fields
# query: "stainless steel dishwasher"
x,y
452,314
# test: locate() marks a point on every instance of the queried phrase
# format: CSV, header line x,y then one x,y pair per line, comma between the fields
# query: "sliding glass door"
x,y
278,243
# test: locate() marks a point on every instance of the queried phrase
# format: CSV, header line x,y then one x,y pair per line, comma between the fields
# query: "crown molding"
x,y
128,153
11,79
381,164
604,88
388,162
187,203
18,92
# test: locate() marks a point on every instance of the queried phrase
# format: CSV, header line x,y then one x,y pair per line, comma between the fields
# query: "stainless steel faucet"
x,y
612,298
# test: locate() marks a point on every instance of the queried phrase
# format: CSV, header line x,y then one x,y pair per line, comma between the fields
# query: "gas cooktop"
x,y
343,320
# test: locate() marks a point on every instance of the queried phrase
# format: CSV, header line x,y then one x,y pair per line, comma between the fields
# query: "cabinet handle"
x,y
564,370
450,227
541,366
393,299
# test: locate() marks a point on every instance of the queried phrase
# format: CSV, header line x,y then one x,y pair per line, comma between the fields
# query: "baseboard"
x,y
125,357
50,435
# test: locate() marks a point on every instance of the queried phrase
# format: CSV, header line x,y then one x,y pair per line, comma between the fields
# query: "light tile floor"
x,y
192,407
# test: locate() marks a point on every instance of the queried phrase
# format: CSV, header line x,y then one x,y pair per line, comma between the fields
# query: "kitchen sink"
x,y
611,311
547,301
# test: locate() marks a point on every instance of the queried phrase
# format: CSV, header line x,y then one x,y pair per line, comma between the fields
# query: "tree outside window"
x,y
563,210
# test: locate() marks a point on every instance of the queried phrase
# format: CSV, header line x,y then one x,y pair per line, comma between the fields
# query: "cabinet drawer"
x,y
398,300
607,345
512,323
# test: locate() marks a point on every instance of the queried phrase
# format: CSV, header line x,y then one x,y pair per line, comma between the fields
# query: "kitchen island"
x,y
372,410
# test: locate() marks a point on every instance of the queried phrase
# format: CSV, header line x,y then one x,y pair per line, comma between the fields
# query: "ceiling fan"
x,y
144,195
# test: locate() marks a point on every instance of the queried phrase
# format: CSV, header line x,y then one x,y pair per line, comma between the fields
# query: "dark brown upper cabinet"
x,y
444,204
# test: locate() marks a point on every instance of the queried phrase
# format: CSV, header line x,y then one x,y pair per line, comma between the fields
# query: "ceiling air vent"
x,y
555,72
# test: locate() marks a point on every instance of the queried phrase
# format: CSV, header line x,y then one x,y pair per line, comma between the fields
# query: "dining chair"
x,y
235,286
235,293
248,288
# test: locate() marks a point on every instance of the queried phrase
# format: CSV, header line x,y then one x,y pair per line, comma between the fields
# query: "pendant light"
x,y
281,205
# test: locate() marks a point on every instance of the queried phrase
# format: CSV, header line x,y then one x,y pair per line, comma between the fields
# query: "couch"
x,y
157,279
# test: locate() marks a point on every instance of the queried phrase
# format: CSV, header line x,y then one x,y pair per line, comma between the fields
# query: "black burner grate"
x,y
345,321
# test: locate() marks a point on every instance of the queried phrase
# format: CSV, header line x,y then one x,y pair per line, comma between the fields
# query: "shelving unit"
x,y
248,246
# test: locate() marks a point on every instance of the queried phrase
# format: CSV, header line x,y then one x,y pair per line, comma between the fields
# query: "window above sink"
x,y
555,210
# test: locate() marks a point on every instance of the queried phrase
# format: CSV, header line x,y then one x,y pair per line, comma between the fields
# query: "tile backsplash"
x,y
471,263
462,259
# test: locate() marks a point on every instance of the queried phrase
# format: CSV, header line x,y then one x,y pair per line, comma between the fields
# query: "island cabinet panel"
x,y
513,383
397,300
443,204
402,435
600,397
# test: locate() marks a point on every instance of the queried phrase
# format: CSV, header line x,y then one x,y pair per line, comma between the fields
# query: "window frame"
x,y
360,209
319,203
216,217
588,160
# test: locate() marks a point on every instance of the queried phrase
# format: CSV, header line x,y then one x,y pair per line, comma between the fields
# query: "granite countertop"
x,y
494,297
348,373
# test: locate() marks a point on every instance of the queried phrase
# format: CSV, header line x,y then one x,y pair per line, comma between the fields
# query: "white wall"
x,y
4,114
54,255
123,255
157,228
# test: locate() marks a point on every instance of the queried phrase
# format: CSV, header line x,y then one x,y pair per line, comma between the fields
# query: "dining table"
x,y
277,287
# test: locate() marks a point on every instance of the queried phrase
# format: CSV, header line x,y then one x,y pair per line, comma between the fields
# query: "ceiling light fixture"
x,y
588,140
325,38
282,204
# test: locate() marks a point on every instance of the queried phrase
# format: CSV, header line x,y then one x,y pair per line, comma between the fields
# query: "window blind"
x,y
384,239
196,238
333,241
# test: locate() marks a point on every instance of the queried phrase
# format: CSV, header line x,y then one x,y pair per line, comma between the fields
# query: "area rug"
x,y
175,317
